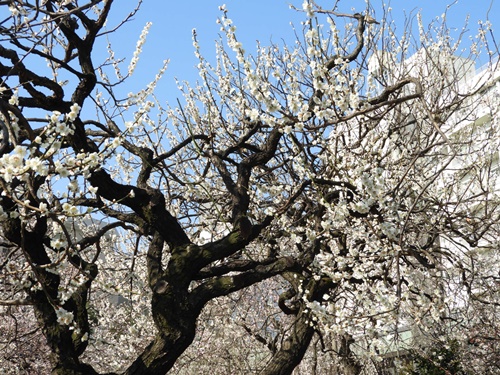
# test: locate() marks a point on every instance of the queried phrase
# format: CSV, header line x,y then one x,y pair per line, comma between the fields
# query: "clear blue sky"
x,y
263,20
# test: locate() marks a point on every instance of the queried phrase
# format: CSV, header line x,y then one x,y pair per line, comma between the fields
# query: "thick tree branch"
x,y
224,285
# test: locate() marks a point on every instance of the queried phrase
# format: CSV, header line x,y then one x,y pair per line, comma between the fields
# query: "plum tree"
x,y
305,202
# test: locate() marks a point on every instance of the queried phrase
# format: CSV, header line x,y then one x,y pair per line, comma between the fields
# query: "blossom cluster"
x,y
64,317
138,48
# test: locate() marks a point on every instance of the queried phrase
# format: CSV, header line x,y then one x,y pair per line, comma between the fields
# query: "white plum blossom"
x,y
73,114
69,209
37,165
361,206
14,99
55,117
43,208
58,242
12,165
64,317
308,8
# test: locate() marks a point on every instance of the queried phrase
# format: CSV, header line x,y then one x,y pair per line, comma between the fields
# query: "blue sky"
x,y
263,20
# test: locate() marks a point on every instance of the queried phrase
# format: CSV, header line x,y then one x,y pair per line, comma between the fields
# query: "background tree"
x,y
439,361
322,193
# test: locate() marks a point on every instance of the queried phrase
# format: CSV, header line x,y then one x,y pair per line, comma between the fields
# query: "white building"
x,y
468,167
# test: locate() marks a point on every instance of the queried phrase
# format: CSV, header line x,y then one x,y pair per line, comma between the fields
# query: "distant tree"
x,y
299,205
439,360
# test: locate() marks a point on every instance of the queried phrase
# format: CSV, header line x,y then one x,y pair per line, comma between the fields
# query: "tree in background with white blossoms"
x,y
298,210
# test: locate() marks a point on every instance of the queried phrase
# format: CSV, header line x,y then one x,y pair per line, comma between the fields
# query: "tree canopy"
x,y
298,210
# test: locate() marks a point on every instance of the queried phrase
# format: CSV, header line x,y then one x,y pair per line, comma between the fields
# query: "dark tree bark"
x,y
293,347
